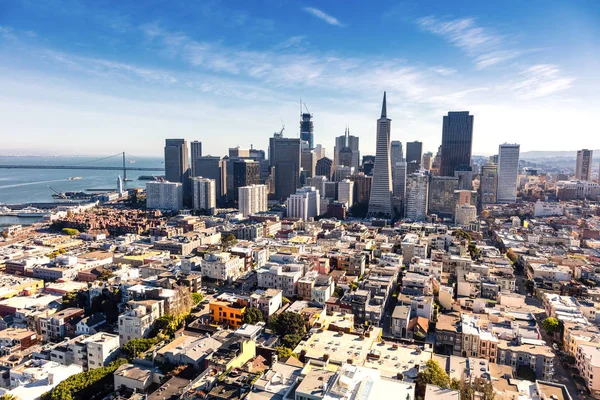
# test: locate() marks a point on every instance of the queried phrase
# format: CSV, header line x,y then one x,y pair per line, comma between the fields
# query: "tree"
x,y
72,300
338,292
353,286
252,315
228,241
5,236
197,298
483,388
529,285
136,347
551,325
70,231
287,323
432,374
284,352
291,340
285,300
512,256
105,275
8,396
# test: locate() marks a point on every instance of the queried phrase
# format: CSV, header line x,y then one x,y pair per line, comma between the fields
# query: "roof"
x,y
421,322
401,312
433,392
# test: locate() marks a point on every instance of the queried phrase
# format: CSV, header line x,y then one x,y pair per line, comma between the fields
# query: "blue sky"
x,y
98,77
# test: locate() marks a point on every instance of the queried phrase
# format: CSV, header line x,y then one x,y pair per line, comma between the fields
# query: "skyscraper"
x,y
346,150
583,170
414,152
457,139
380,203
176,160
204,194
213,167
196,152
284,155
464,173
324,167
441,196
508,173
399,180
427,161
166,196
346,192
488,183
417,187
306,129
304,204
396,152
362,187
252,199
245,173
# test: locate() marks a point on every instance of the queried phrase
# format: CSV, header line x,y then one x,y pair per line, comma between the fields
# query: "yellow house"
x,y
228,310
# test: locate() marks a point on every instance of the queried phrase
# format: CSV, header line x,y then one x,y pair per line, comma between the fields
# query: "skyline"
x,y
142,76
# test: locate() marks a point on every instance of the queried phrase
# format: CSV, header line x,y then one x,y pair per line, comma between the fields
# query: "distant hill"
x,y
552,154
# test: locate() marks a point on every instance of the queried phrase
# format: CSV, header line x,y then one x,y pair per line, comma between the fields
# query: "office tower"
x,y
465,213
466,197
320,152
306,129
252,199
204,194
284,155
362,187
341,172
396,152
330,190
441,196
176,160
166,196
583,170
508,172
414,151
120,186
308,162
457,139
399,180
464,173
346,150
437,162
337,210
317,182
417,186
367,167
494,159
346,192
238,152
488,183
213,167
304,204
427,161
380,203
195,153
324,167
259,156
245,173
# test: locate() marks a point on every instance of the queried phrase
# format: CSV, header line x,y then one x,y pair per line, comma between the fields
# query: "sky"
x,y
99,77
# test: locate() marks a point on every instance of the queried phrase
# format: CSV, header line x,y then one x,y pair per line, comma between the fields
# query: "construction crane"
x,y
306,108
58,194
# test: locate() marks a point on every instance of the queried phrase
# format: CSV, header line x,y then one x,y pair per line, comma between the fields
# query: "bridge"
x,y
86,165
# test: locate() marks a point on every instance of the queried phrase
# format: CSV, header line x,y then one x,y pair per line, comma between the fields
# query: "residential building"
x,y
465,214
228,310
380,202
284,277
166,196
222,266
204,194
400,319
137,322
102,348
417,187
56,327
252,199
304,204
508,171
441,196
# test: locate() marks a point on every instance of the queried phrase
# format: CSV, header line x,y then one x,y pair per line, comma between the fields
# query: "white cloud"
x,y
496,57
323,16
443,70
461,32
541,80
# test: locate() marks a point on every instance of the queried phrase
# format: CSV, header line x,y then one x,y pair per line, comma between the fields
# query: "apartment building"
x,y
138,321
55,327
102,348
222,266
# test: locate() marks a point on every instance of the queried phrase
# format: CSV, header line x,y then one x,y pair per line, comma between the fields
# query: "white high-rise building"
x,y
252,199
346,192
164,196
304,204
465,213
380,202
583,169
120,186
204,194
417,194
508,173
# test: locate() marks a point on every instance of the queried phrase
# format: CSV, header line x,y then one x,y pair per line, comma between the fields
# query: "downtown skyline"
x,y
134,77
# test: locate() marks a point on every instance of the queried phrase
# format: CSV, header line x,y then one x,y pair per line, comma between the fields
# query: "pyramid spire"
x,y
384,108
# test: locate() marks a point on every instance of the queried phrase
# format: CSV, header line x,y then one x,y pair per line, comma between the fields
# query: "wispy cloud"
x,y
496,57
463,32
323,16
541,80
443,70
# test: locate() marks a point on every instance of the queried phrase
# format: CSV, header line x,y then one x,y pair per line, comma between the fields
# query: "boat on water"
x,y
74,178
31,212
131,161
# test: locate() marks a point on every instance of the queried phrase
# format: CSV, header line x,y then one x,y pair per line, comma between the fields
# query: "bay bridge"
x,y
87,165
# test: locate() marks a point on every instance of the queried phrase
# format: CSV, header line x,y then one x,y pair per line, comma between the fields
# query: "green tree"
x,y
432,374
252,315
136,347
197,298
483,388
353,286
70,231
551,325
228,241
338,292
284,352
287,323
8,396
291,340
285,300
72,300
105,275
